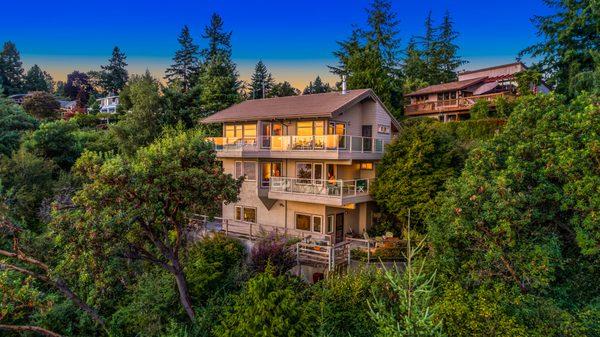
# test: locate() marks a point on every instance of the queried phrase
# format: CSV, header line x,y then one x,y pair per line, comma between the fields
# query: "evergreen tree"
x,y
428,42
570,35
219,42
11,69
370,57
37,80
114,76
283,89
415,68
185,62
219,80
261,79
447,51
317,87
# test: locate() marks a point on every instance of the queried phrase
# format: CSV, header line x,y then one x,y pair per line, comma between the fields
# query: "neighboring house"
x,y
452,101
309,164
109,104
67,108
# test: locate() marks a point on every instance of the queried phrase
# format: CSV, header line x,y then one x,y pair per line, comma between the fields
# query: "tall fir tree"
x,y
283,89
447,51
185,62
219,83
114,76
429,52
414,68
370,56
569,40
261,81
11,69
317,87
37,80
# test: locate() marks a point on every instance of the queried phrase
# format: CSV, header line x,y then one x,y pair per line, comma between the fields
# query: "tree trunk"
x,y
21,328
184,294
63,288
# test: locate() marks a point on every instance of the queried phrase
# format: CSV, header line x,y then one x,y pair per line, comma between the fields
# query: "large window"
x,y
306,172
245,213
246,169
304,128
446,95
308,222
268,170
338,129
240,131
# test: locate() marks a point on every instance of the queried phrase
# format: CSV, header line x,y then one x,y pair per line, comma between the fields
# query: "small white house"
x,y
108,104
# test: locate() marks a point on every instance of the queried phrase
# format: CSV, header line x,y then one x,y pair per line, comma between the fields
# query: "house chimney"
x,y
344,84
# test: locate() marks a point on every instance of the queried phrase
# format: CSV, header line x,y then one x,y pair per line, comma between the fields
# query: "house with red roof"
x,y
452,101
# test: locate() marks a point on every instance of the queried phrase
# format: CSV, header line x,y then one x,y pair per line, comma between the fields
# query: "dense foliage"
x,y
522,221
95,230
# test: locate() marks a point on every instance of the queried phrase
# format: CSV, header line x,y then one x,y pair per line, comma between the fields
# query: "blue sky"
x,y
294,39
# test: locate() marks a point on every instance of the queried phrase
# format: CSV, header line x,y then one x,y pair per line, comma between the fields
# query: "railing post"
x,y
298,258
368,252
226,227
355,187
332,249
251,231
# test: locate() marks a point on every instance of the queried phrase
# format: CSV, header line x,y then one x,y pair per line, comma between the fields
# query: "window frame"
x,y
241,216
311,225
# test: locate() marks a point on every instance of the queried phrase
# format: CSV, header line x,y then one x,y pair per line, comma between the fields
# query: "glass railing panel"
x,y
356,144
378,145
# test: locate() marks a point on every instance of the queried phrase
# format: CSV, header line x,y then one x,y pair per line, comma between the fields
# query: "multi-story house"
x,y
109,104
452,101
308,161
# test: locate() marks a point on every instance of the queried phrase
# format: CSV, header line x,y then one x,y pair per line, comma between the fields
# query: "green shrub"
x,y
150,306
213,265
480,110
342,302
269,305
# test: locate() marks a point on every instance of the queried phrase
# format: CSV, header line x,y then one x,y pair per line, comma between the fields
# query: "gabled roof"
x,y
458,85
493,67
325,105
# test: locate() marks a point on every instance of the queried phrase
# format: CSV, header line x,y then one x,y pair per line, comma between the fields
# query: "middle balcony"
x,y
332,192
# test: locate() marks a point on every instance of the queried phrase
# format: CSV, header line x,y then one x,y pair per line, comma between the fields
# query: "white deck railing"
x,y
321,187
300,143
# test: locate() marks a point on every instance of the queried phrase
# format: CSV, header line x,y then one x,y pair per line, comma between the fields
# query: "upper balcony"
x,y
462,104
300,147
332,192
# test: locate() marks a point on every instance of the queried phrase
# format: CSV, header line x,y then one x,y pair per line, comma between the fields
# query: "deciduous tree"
x,y
14,121
42,105
138,207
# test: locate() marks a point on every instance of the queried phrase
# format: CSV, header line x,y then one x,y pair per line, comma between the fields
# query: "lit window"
x,y
247,214
366,166
307,222
250,214
303,222
304,128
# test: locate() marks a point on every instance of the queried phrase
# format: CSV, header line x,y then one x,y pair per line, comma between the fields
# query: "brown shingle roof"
x,y
458,85
305,106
